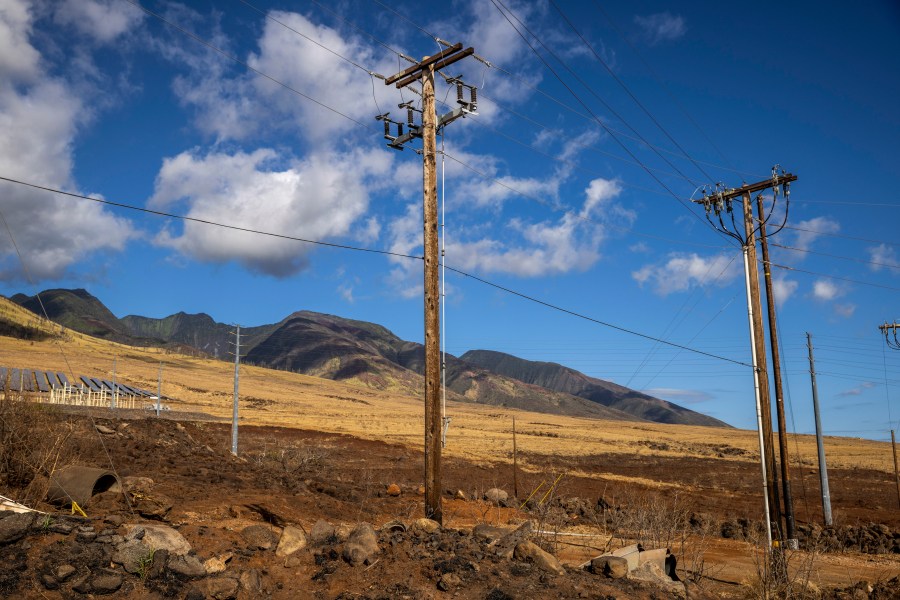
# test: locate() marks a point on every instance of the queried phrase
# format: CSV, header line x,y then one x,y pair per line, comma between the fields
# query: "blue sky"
x,y
548,190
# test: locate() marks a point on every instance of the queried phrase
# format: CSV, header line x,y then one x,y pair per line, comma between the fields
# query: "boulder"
x,y
362,545
489,532
322,532
158,537
186,565
425,526
650,572
222,588
505,545
14,527
292,540
260,536
531,552
496,496
132,555
614,567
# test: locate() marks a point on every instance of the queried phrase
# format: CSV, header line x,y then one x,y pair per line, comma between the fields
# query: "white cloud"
x,y
810,230
661,27
883,256
825,290
38,123
323,196
103,20
845,310
783,288
681,272
858,390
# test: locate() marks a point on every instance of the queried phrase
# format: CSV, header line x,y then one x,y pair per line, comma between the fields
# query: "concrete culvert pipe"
x,y
78,484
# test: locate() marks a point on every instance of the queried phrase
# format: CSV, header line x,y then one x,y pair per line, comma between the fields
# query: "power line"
x,y
788,268
208,222
628,91
858,260
839,235
593,320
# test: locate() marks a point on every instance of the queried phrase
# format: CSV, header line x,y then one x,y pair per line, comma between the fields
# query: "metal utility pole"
x,y
823,469
424,70
896,473
158,388
115,390
776,376
237,368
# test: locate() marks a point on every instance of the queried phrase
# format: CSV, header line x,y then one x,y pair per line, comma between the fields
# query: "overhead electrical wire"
x,y
858,260
847,279
621,83
840,235
345,247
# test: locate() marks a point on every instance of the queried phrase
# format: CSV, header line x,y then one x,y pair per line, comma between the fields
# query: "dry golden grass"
x,y
479,433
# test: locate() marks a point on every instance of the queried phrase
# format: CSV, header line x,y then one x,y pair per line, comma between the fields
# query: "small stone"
x,y
449,581
222,588
159,537
292,562
63,572
214,565
130,555
49,582
187,565
461,495
114,520
251,581
361,545
420,490
260,536
393,490
106,584
104,429
85,537
293,539
155,507
82,585
322,532
62,528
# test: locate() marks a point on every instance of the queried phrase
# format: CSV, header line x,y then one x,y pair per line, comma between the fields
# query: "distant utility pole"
x,y
823,468
115,390
424,70
237,370
893,327
896,474
719,201
159,388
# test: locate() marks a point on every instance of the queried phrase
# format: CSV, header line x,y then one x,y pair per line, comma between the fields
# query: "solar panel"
x,y
15,380
42,381
103,383
28,380
90,383
3,374
62,378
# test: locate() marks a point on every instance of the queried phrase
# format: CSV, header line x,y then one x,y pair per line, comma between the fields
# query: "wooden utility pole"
x,y
776,376
516,462
424,70
760,341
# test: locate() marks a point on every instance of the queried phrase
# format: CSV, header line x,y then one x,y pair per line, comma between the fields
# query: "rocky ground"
x,y
303,514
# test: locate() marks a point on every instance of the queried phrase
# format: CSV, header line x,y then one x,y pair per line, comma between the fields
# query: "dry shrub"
x,y
784,573
34,442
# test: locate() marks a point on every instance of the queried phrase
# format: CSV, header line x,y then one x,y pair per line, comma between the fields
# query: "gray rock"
x,y
82,585
138,485
131,555
252,582
362,545
322,532
155,507
60,527
293,539
496,495
85,537
13,528
489,532
614,567
449,581
222,588
159,537
106,583
186,565
425,526
508,542
531,552
652,573
293,561
104,429
260,536
63,572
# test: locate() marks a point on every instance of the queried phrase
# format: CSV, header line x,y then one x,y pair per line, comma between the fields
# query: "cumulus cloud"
x,y
681,272
102,20
810,230
39,120
661,27
783,288
322,196
883,256
825,290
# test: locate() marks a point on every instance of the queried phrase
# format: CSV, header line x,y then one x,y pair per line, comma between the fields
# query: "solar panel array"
x,y
30,380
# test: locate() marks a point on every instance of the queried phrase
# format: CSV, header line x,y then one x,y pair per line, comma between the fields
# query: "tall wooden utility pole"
x,y
896,475
776,376
720,203
424,70
761,363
